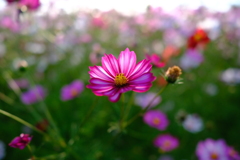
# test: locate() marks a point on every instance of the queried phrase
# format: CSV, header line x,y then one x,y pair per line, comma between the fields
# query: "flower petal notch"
x,y
119,75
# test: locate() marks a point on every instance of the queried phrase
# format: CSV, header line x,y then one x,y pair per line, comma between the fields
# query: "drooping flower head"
x,y
166,142
212,150
199,37
156,119
155,60
72,90
117,76
33,95
21,141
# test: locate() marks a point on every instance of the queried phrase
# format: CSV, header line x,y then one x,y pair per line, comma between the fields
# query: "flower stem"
x,y
31,152
75,136
122,113
89,112
6,99
18,92
143,111
49,117
129,106
22,121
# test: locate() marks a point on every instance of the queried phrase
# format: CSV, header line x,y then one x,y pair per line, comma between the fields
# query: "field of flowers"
x,y
95,85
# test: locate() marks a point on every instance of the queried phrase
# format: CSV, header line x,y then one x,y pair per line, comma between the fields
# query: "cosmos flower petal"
x,y
97,81
142,88
125,89
102,88
110,64
100,73
142,67
127,61
111,92
115,97
145,78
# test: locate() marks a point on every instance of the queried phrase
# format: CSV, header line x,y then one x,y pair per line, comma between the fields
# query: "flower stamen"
x,y
214,156
120,80
156,121
74,92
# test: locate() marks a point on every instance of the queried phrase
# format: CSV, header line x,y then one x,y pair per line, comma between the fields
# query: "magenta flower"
x,y
155,60
30,4
21,141
33,95
212,150
117,76
156,119
72,90
166,142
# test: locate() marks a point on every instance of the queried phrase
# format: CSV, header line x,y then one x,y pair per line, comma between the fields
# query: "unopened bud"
x,y
173,74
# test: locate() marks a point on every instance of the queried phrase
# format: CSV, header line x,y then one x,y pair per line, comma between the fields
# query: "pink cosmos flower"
x,y
117,76
7,22
21,141
166,142
33,95
155,60
212,150
156,119
72,90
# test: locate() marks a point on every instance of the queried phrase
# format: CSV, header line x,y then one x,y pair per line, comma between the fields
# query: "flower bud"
x,y
173,74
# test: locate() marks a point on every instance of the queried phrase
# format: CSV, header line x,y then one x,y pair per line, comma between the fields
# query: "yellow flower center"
x,y
156,121
232,152
167,144
214,156
120,79
74,92
198,37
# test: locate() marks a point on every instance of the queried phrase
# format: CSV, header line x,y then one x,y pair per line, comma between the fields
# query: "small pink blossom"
x,y
33,95
166,142
72,90
117,76
212,150
21,141
156,119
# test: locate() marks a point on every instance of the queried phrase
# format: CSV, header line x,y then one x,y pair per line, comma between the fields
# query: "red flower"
x,y
199,37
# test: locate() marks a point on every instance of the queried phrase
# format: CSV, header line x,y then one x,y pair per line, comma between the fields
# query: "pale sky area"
x,y
134,6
